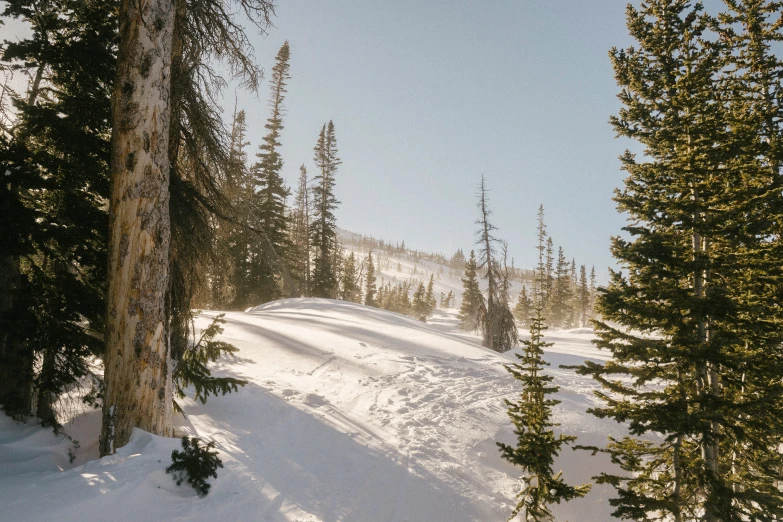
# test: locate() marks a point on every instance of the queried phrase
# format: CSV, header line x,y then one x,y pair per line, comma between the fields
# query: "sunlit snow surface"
x,y
351,413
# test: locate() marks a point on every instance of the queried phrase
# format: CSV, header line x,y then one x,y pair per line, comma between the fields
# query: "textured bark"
x,y
137,359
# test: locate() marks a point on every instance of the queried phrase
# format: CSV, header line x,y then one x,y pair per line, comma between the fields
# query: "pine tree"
x,y
323,229
228,269
700,278
369,284
350,290
543,269
583,297
537,445
573,302
300,236
472,300
523,308
549,276
421,307
593,293
429,297
205,35
55,155
559,302
269,195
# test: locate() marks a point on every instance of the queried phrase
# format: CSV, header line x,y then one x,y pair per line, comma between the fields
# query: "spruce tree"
x,y
593,289
690,322
537,445
269,195
55,157
573,301
583,298
323,232
205,35
369,284
523,308
472,299
549,286
559,302
299,258
350,290
429,297
420,305
228,267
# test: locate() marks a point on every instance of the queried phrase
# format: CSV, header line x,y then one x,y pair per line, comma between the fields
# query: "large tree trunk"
x,y
137,359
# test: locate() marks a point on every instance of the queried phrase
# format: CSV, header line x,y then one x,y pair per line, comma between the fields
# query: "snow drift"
x,y
351,413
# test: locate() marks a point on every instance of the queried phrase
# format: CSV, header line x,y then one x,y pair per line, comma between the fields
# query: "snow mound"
x,y
351,413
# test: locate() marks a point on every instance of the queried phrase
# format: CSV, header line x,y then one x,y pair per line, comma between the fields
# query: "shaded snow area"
x,y
351,413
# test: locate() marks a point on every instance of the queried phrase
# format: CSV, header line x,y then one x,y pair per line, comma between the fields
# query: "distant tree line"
x,y
567,295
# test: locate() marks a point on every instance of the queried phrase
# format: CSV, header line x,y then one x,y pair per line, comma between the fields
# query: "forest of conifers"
x,y
128,200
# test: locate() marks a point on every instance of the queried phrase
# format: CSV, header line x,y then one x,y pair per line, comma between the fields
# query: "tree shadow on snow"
x,y
310,467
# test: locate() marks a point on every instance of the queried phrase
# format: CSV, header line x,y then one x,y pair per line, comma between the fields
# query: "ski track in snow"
x,y
350,413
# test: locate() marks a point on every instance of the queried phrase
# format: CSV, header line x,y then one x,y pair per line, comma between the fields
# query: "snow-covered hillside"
x,y
351,413
395,267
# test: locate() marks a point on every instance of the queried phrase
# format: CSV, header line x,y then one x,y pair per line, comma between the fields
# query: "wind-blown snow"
x,y
351,413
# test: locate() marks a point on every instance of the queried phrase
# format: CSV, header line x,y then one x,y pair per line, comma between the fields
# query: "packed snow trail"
x,y
350,414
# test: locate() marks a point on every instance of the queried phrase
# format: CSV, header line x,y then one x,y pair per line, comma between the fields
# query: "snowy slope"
x,y
351,413
397,267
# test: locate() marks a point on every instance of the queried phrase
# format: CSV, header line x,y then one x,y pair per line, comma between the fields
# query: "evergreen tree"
x,y
559,302
472,300
458,259
593,290
549,276
205,34
228,269
543,269
537,445
269,196
323,232
583,297
523,308
196,150
701,275
300,237
350,290
55,158
421,307
573,302
369,284
429,297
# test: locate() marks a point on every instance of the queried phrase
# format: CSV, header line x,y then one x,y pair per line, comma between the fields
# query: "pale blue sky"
x,y
428,96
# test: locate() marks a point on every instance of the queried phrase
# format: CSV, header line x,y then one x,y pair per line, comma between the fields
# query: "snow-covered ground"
x,y
350,413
